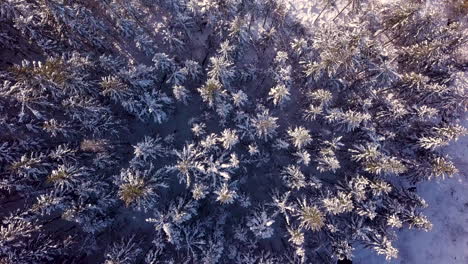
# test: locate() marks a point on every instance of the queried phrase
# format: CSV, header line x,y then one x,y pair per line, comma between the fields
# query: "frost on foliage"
x,y
113,87
299,137
442,136
150,106
145,43
139,189
279,94
163,62
229,138
303,157
383,246
293,177
343,250
15,228
265,125
150,149
192,68
320,96
394,221
173,225
240,98
198,129
225,195
67,177
221,69
199,191
340,204
310,217
327,161
296,236
20,244
189,163
124,252
349,119
376,162
54,128
48,203
180,93
441,168
261,225
211,92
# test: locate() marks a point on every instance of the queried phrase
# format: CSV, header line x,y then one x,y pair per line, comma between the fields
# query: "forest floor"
x,y
447,242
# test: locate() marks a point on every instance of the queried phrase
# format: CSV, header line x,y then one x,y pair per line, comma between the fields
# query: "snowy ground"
x,y
447,242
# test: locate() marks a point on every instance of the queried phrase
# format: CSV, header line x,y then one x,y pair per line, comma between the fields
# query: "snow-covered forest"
x,y
228,131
